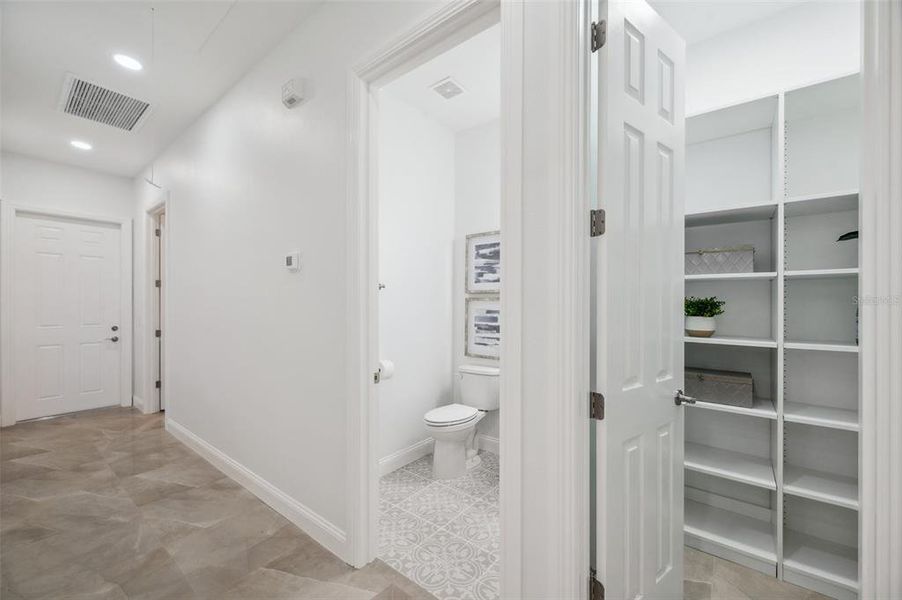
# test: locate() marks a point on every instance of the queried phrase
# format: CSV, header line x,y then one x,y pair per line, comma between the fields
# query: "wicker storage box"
x,y
740,259
723,387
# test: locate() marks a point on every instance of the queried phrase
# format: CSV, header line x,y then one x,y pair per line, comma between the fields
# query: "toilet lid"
x,y
451,414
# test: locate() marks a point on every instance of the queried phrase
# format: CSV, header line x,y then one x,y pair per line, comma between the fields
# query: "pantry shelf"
x,y
822,416
735,466
750,342
761,407
756,276
740,533
823,487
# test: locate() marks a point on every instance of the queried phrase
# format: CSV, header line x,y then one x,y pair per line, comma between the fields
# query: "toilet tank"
x,y
479,386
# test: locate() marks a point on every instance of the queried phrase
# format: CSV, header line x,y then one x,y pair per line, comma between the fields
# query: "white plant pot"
x,y
700,326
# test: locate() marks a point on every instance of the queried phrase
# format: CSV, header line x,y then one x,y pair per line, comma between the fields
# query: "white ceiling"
x,y
201,50
475,65
698,20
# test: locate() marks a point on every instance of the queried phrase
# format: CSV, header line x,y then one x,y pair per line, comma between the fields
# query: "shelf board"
x,y
822,416
732,341
820,486
764,275
822,346
739,214
726,464
731,120
821,273
821,559
761,407
835,201
737,532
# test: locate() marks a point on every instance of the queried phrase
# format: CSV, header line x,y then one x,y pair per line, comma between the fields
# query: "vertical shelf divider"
x,y
779,180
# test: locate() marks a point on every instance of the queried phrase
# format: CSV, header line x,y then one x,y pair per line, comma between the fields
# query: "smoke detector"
x,y
447,88
85,99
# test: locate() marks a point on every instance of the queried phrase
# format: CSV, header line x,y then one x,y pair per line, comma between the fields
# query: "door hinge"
x,y
596,588
596,222
599,34
596,406
156,232
156,283
157,384
158,333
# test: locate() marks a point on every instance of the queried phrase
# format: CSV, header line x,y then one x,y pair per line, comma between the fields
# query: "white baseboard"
x,y
318,527
487,443
404,456
138,402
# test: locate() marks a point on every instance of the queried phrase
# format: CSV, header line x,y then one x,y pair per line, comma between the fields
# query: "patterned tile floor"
x,y
443,535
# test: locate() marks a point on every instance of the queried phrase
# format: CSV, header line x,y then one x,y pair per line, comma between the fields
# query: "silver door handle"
x,y
681,398
115,338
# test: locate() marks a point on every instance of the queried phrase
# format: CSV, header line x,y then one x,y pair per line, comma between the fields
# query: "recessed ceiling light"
x,y
81,145
447,88
128,62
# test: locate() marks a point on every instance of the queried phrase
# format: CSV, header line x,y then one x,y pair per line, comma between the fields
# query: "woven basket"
x,y
706,261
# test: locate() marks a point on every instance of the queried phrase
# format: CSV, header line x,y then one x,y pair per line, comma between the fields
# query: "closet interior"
x,y
773,484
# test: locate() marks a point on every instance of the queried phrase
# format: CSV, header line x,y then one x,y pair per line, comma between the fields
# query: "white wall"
x,y
477,209
801,45
416,232
42,184
258,355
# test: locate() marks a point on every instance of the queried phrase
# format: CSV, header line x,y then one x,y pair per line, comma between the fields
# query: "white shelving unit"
x,y
775,487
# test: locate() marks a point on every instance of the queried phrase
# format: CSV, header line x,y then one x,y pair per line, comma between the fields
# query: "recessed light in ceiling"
x,y
132,64
81,145
447,88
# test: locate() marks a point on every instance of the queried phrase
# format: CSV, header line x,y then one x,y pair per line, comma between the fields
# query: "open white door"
x,y
639,344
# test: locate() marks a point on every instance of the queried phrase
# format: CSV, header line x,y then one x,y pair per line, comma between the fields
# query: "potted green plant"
x,y
700,313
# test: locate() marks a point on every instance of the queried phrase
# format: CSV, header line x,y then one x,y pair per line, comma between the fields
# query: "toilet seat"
x,y
450,414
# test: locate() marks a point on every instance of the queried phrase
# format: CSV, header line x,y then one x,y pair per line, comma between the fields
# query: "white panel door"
x,y
639,348
66,301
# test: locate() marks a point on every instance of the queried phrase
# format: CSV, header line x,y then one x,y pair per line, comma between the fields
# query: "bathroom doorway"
x,y
438,185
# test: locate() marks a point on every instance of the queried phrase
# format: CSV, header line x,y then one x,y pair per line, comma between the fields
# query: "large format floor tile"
x,y
107,505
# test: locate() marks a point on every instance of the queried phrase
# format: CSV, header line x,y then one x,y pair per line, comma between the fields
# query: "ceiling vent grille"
x,y
447,88
90,101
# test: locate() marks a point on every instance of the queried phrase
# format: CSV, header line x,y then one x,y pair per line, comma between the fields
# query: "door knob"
x,y
681,398
115,328
115,338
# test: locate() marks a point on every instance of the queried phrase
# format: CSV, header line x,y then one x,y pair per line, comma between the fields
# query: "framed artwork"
x,y
483,334
484,263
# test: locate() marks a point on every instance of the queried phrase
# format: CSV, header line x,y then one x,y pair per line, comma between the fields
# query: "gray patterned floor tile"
x,y
437,504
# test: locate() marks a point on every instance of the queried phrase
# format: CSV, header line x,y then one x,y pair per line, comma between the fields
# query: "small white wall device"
x,y
293,261
294,92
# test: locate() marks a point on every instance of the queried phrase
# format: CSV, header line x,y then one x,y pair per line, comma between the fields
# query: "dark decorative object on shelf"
x,y
852,235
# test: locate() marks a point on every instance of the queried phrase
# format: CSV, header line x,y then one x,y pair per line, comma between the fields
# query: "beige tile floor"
x,y
107,505
707,577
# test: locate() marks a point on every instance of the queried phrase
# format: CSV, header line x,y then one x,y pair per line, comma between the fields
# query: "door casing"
x,y
9,212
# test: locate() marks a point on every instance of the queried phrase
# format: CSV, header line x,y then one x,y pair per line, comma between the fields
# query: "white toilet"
x,y
453,426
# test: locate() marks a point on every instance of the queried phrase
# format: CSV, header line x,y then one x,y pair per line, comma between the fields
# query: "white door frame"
x,y
455,22
545,356
8,214
151,400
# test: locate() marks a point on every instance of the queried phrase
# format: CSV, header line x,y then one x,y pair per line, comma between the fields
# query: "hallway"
x,y
106,504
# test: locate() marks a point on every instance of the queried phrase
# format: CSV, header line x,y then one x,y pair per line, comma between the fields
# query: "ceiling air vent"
x,y
91,101
447,88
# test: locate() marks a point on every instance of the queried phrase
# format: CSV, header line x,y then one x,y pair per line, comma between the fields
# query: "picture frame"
x,y
483,263
482,338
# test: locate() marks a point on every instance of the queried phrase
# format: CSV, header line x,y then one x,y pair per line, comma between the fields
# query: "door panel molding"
x,y
9,213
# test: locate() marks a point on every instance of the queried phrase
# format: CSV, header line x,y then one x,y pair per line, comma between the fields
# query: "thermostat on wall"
x,y
293,261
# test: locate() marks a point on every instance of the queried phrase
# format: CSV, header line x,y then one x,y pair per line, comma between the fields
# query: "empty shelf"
x,y
756,276
824,487
733,341
822,346
744,468
821,273
840,200
822,416
762,407
740,214
821,559
737,532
